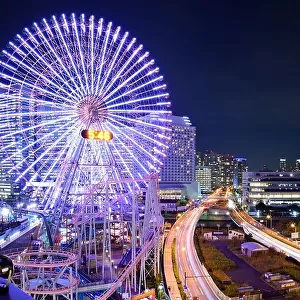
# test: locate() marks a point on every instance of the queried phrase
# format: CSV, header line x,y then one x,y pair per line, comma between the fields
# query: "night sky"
x,y
233,67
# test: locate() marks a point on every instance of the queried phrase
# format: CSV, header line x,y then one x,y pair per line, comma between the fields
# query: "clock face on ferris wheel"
x,y
69,79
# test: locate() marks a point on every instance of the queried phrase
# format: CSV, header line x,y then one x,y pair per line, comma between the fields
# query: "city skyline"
x,y
231,68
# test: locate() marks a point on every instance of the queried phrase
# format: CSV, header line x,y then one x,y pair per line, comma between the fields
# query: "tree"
x,y
261,206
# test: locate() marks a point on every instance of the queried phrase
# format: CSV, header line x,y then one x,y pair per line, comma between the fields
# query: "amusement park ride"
x,y
85,123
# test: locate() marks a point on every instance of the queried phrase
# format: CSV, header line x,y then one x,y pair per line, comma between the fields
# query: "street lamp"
x,y
228,226
269,217
202,225
293,225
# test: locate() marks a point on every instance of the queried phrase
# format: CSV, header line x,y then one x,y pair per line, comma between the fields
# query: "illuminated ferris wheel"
x,y
80,90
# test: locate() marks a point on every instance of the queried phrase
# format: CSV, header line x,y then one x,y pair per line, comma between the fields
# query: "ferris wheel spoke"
x,y
143,150
149,138
142,112
103,53
128,61
130,153
151,126
55,162
57,28
36,142
37,62
124,164
40,125
59,60
62,137
116,54
31,86
84,71
106,98
143,85
36,101
37,68
140,101
91,48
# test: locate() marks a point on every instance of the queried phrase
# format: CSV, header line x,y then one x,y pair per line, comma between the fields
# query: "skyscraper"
x,y
282,165
226,170
240,166
297,165
203,176
179,166
212,160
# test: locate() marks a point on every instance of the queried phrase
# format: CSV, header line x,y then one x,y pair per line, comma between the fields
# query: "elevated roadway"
x,y
194,276
258,233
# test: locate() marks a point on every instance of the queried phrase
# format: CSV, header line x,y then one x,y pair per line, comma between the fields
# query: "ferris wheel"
x,y
77,88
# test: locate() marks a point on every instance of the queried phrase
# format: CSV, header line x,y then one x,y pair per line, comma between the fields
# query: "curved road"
x,y
192,273
268,240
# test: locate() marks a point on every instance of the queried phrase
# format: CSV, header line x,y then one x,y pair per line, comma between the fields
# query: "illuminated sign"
x,y
101,135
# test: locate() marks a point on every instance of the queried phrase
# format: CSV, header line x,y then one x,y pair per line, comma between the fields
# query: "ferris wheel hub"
x,y
91,109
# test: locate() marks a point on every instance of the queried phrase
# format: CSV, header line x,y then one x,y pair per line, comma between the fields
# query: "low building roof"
x,y
253,246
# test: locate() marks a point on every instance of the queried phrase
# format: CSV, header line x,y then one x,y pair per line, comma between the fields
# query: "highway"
x,y
192,273
266,239
168,266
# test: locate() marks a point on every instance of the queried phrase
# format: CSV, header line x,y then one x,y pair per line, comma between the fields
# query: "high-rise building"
x,y
226,170
271,187
282,165
199,159
212,160
9,151
179,166
297,165
240,166
203,176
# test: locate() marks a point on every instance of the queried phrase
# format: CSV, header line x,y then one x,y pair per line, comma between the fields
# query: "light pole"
x,y
218,225
269,217
202,225
228,226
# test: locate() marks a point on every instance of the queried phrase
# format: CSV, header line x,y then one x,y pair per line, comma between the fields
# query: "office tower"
x,y
240,166
9,151
212,160
199,159
297,165
203,176
282,165
271,187
179,166
226,170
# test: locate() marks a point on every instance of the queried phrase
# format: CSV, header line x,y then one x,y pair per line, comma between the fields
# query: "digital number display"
x,y
101,135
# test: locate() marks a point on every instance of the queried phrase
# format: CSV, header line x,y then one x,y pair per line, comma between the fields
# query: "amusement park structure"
x,y
85,129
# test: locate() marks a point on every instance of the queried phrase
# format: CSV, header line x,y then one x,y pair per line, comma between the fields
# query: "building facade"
x,y
282,165
297,165
203,176
226,170
212,160
239,167
271,188
179,167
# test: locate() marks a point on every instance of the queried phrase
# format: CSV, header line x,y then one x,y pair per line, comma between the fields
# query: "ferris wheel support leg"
x,y
109,244
134,236
95,236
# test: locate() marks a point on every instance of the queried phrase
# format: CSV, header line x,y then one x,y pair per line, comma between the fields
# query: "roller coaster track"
x,y
149,243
